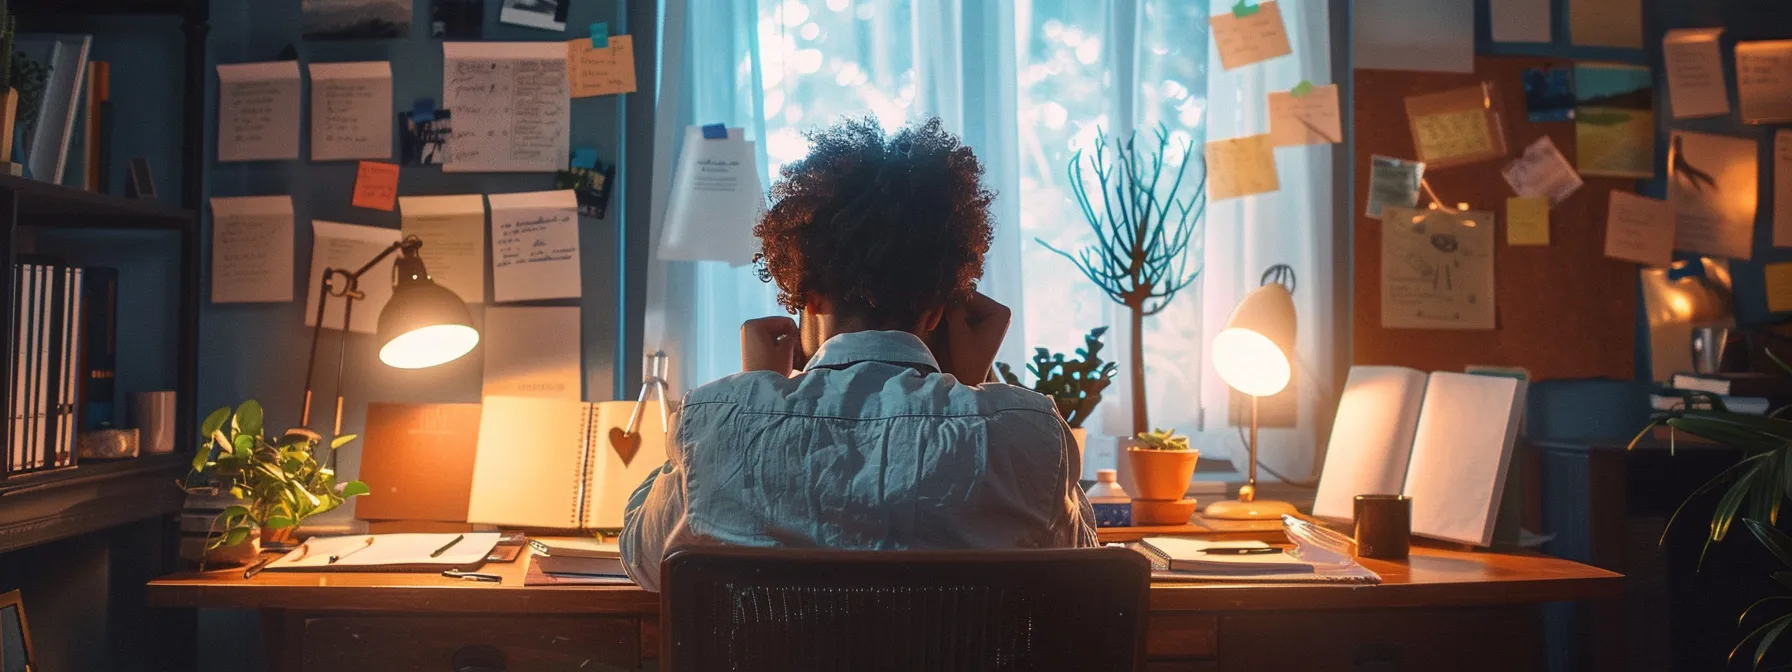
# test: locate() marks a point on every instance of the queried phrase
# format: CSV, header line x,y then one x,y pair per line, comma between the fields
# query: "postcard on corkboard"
x,y
1459,126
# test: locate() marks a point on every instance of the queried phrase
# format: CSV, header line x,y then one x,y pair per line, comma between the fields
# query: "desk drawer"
x,y
471,643
1502,639
1182,635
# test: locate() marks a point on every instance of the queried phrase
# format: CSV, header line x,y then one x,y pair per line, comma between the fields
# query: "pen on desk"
x,y
257,567
1240,551
445,547
364,545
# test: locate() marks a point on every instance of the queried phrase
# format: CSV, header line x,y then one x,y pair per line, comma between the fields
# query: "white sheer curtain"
x,y
1026,83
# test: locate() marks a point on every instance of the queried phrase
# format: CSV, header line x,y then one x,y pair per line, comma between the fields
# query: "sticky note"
x,y
423,110
1307,117
1249,37
376,185
1527,220
1241,167
1779,286
1452,135
715,132
584,157
600,35
1639,229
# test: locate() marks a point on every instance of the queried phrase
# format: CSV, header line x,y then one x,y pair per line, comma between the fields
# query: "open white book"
x,y
560,463
1443,439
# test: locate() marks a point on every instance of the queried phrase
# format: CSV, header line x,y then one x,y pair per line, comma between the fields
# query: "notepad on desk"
x,y
1196,560
389,553
560,463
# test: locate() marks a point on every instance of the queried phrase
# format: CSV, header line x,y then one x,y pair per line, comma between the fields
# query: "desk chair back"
x,y
795,609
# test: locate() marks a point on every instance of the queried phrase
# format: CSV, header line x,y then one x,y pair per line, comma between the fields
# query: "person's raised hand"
x,y
769,344
968,337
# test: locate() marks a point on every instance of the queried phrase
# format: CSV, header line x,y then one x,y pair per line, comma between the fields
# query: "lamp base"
x,y
1262,509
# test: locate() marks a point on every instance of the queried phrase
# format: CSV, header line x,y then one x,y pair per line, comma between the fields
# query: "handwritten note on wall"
x,y
1764,80
1782,188
1696,83
717,196
252,249
1241,167
601,72
258,111
535,246
1309,119
1256,36
1452,136
1639,229
1436,269
351,111
348,246
452,229
511,107
1714,184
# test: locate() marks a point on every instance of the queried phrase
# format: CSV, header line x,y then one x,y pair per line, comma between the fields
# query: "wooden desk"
x,y
1441,609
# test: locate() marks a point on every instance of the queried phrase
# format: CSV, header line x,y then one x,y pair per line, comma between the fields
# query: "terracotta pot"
x,y
1081,436
1161,474
281,538
233,556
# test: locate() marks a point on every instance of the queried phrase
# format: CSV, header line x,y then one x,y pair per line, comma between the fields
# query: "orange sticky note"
x,y
376,185
1779,287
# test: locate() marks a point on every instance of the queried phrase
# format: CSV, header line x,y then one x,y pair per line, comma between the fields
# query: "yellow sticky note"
x,y
1779,287
601,72
376,185
1527,221
1451,135
1241,167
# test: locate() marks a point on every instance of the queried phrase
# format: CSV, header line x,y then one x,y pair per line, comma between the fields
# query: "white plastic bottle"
x,y
1113,507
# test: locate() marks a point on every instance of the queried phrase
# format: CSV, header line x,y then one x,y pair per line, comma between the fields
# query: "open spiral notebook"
x,y
560,463
1304,564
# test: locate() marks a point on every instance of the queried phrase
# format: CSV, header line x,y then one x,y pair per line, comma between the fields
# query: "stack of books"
x,y
46,376
1750,393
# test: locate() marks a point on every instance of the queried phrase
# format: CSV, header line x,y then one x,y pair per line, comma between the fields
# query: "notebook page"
x,y
1371,438
1460,455
389,550
612,480
527,470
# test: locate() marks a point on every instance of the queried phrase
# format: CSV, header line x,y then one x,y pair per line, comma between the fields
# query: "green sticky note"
x,y
1303,88
1242,9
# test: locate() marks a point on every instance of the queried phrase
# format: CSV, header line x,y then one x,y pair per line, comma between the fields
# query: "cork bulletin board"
x,y
1561,311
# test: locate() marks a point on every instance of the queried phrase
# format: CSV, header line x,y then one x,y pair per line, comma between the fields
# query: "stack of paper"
x,y
1200,555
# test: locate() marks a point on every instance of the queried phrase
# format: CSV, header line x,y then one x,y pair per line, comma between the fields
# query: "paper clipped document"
x,y
717,198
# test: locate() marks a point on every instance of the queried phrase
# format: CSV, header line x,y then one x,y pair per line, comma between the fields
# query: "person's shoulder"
x,y
1002,398
732,389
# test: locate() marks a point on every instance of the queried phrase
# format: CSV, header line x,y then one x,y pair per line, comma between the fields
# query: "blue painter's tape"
x,y
584,157
715,132
423,110
600,35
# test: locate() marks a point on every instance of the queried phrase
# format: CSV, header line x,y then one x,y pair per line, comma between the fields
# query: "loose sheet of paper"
x,y
1430,35
1311,119
1779,287
1241,167
1257,36
510,103
532,352
1520,20
376,185
452,229
1452,135
1696,83
717,196
351,111
1639,229
1392,182
1436,269
1606,23
252,249
347,247
1713,184
1542,171
1764,81
1527,221
535,246
1782,188
601,72
258,111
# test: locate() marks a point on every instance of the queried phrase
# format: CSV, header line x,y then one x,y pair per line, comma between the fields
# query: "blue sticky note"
x,y
584,157
600,35
715,132
424,110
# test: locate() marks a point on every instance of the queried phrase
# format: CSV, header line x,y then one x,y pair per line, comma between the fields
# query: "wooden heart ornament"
x,y
625,444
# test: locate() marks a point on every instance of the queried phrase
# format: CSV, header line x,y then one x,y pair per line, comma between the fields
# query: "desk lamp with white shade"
x,y
1254,354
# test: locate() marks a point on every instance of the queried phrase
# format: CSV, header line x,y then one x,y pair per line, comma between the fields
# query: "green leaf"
x,y
236,535
223,443
341,441
200,457
1771,537
280,522
1784,577
243,444
1772,598
354,489
1727,506
214,422
248,418
1776,626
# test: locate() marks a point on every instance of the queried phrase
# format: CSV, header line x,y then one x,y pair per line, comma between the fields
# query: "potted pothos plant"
x,y
1163,462
1075,385
274,483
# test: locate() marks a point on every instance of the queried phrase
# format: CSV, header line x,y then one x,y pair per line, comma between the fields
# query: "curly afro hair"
x,y
887,228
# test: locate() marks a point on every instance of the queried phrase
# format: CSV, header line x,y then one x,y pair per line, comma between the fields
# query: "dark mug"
x,y
1383,526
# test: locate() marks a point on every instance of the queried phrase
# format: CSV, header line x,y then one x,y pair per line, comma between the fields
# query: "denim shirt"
x,y
870,448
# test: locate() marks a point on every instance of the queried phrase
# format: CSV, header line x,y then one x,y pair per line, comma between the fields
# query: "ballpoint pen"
x,y
444,549
364,545
1241,551
257,567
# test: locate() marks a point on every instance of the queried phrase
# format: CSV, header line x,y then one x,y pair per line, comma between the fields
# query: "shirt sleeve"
x,y
1080,523
655,512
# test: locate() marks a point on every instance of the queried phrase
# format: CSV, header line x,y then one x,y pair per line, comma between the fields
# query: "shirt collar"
x,y
891,347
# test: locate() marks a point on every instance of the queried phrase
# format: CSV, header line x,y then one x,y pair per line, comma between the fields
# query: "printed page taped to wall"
x,y
535,246
717,197
1241,167
601,72
1606,23
1456,127
532,352
1713,184
252,249
351,111
1436,269
1243,38
452,229
1639,229
376,185
1392,182
1695,65
1542,171
511,107
258,111
1782,188
1527,221
1764,81
348,247
1310,118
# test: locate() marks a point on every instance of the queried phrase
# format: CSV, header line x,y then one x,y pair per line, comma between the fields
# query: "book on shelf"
x,y
99,334
1736,384
1743,405
46,141
46,365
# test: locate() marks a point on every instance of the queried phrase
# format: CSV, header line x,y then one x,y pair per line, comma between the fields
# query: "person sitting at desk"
x,y
884,439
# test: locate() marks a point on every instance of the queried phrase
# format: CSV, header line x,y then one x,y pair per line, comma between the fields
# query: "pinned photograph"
x,y
355,19
1548,94
423,140
542,14
1614,120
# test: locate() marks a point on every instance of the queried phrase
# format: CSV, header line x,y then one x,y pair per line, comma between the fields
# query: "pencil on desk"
x,y
364,545
445,547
